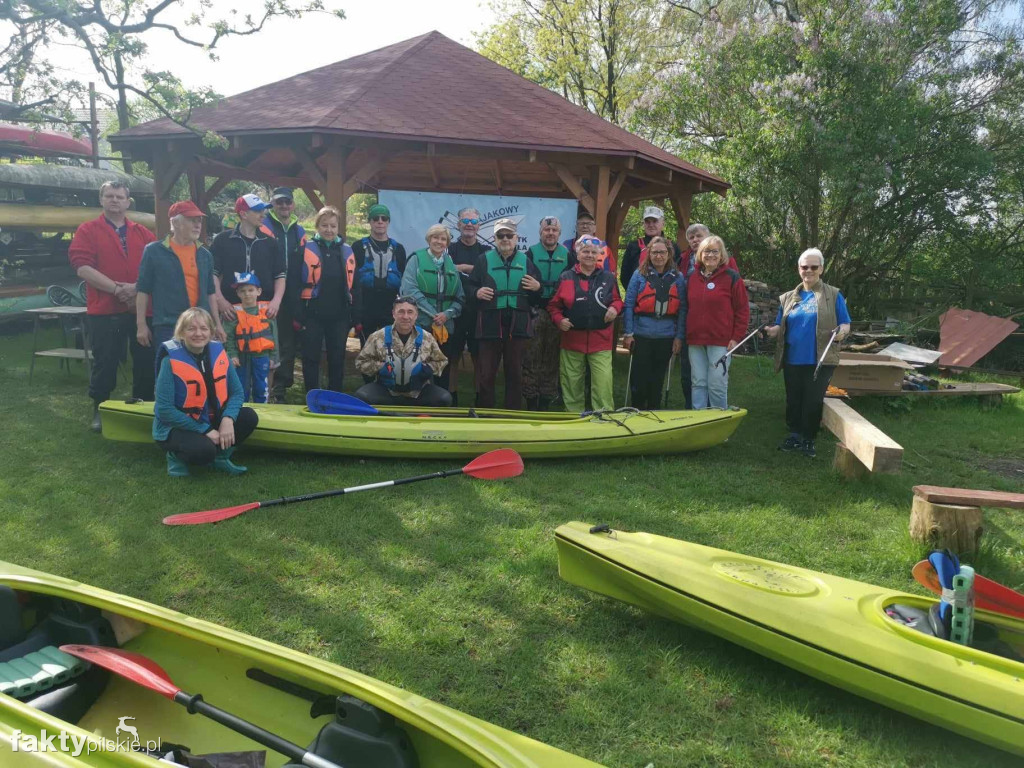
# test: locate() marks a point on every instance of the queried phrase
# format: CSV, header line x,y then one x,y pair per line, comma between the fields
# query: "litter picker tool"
x,y
629,375
668,381
495,465
147,673
828,346
744,340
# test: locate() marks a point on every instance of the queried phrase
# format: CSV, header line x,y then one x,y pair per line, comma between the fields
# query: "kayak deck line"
x,y
781,633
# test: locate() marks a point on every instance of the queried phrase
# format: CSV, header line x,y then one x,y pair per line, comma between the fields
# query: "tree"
x,y
596,53
112,33
871,129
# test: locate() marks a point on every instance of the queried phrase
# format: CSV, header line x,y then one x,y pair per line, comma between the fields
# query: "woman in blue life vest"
x,y
433,281
655,322
807,317
325,305
198,417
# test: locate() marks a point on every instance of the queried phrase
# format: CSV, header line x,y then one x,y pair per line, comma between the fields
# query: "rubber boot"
x,y
175,466
532,403
224,464
97,425
543,403
455,399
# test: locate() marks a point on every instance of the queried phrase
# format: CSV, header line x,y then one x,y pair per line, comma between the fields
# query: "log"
x,y
946,526
847,464
875,450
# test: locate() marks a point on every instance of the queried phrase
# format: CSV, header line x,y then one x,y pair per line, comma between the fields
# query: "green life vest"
x,y
550,266
427,279
507,275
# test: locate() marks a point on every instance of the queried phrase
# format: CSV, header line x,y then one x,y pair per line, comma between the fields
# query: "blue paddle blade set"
x,y
338,404
952,617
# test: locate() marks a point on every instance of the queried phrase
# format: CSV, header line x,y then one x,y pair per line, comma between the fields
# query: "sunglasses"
x,y
380,218
404,300
470,221
506,235
592,241
811,267
283,201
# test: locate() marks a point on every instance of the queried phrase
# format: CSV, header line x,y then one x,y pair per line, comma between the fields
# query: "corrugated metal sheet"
x,y
965,336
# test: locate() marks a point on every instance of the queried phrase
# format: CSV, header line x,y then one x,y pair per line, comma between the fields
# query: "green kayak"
x,y
347,718
456,432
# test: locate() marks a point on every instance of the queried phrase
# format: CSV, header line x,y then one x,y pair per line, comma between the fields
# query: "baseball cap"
x,y
282,193
185,208
653,212
378,210
548,220
246,278
250,202
506,224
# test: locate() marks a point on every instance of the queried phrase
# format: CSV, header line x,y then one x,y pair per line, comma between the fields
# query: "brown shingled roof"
x,y
426,88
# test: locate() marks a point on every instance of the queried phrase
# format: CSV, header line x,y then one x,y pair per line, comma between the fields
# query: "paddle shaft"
x,y
196,705
355,488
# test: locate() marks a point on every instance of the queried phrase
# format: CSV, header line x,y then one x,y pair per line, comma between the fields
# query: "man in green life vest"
x,y
540,361
507,288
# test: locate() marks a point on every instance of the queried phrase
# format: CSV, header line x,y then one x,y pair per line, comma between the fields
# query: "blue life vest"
x,y
379,270
408,371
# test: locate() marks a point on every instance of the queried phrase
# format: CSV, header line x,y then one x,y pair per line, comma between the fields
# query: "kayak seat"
x,y
363,736
35,671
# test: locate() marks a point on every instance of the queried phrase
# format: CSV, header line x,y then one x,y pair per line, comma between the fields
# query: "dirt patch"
x,y
1003,466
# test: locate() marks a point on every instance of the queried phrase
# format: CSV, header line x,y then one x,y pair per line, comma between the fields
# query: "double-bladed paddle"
x,y
495,465
989,595
339,404
147,673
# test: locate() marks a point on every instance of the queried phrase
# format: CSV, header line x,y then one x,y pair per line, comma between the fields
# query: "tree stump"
x,y
847,464
943,526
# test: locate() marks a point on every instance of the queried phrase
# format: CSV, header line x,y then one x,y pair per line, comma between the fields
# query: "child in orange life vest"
x,y
252,339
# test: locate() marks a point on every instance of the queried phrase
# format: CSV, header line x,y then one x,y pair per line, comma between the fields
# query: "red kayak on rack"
x,y
988,595
26,140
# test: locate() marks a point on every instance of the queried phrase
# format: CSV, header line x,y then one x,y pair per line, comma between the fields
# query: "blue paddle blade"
x,y
946,567
338,403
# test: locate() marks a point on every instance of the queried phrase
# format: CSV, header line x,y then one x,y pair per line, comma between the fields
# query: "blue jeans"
x,y
255,373
710,383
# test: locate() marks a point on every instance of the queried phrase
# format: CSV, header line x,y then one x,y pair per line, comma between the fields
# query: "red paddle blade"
x,y
131,666
989,595
495,465
210,515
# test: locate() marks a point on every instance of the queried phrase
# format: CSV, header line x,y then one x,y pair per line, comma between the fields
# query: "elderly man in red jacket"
x,y
106,253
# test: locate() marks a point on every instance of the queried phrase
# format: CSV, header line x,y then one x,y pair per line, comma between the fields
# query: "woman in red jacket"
x,y
716,319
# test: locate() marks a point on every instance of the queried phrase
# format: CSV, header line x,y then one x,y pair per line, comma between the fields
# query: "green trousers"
x,y
572,370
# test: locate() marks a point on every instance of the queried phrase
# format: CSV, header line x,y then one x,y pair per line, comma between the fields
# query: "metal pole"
x,y
94,126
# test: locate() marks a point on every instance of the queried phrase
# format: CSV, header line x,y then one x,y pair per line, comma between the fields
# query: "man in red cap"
x,y
177,273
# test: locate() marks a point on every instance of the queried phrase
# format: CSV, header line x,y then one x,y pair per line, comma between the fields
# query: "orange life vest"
x,y
253,334
312,267
660,295
190,393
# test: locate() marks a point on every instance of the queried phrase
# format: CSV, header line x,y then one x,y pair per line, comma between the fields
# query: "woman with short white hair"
x,y
807,317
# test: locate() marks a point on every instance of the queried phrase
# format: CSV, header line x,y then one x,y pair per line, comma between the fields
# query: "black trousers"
x,y
684,375
431,396
287,341
110,336
492,352
805,397
318,333
196,448
650,362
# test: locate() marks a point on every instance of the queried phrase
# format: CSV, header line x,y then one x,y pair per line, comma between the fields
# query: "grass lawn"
x,y
450,590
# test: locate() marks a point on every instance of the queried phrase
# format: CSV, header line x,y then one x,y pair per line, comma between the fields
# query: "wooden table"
x,y
63,353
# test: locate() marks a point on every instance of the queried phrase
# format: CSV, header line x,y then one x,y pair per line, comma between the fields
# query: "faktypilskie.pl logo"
x,y
126,739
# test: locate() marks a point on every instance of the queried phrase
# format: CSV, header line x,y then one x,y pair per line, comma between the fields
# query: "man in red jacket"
x,y
106,253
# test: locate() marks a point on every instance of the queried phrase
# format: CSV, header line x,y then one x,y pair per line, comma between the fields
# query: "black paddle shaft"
x,y
353,489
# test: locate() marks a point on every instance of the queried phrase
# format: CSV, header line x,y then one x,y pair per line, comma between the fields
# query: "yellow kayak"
x,y
838,630
354,721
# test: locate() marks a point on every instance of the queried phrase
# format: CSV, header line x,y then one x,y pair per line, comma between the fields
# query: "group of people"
x,y
212,328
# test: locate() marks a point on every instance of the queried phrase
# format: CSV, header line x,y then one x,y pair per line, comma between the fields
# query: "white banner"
x,y
412,213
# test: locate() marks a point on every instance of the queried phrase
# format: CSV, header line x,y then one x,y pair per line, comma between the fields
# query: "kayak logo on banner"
x,y
76,744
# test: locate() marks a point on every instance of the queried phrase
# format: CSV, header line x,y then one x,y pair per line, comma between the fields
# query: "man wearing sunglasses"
x,y
380,264
465,250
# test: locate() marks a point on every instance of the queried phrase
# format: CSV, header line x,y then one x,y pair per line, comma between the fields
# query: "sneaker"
x,y
807,449
791,443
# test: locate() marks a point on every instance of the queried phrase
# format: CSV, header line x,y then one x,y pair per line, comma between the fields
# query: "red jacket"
x,y
716,315
599,340
97,245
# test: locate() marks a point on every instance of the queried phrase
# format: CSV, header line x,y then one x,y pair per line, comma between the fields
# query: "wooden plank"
x,y
936,494
310,167
574,186
314,198
603,201
968,389
876,450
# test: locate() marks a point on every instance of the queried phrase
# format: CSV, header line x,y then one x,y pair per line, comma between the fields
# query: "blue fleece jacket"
x,y
648,326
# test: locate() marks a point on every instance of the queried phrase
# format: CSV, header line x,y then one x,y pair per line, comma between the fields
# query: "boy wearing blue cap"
x,y
252,338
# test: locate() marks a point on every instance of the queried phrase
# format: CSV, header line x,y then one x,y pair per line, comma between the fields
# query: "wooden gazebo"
x,y
425,114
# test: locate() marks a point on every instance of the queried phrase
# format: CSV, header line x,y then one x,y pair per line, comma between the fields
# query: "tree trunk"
x,y
946,526
123,122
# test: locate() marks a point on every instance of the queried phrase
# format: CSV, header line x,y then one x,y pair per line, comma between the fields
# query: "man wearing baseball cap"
x,y
654,226
249,248
176,273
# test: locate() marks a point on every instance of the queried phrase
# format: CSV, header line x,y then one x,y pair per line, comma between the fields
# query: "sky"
x,y
287,47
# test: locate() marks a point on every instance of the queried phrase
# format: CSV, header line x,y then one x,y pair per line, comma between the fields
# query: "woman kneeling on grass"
x,y
198,417
807,317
